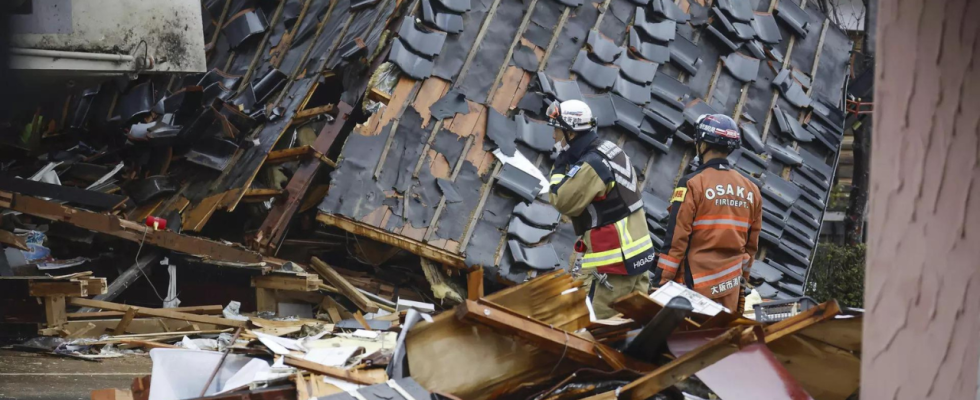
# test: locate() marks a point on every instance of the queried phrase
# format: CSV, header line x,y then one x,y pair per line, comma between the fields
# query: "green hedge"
x,y
838,273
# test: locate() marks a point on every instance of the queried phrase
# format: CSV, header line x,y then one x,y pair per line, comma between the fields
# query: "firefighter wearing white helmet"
x,y
595,185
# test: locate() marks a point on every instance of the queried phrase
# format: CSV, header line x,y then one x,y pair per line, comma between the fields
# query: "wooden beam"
x,y
343,285
205,310
156,312
265,300
545,337
9,239
95,286
642,309
132,231
474,284
125,321
355,376
682,367
802,321
276,222
312,112
415,247
81,331
298,283
360,319
64,289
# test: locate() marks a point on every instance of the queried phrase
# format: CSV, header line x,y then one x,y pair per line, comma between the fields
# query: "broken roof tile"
x,y
762,270
766,28
766,291
599,75
215,75
452,103
438,17
565,89
637,93
695,109
525,58
413,65
742,67
671,88
603,49
655,207
737,9
136,103
536,134
751,139
663,31
748,162
791,90
637,70
654,52
423,41
784,154
501,131
519,182
356,5
669,10
722,38
744,31
244,26
793,16
456,6
448,189
755,47
602,109
524,232
540,258
539,214
213,153
685,54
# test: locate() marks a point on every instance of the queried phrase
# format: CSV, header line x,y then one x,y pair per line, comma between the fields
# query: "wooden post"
x,y
265,300
125,321
54,311
474,284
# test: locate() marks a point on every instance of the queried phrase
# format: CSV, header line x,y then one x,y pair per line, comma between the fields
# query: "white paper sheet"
x,y
181,374
523,164
701,304
331,356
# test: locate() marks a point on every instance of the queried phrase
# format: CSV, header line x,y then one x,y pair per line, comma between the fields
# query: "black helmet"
x,y
718,130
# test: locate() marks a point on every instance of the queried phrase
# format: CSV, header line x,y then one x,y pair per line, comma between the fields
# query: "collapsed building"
x,y
374,130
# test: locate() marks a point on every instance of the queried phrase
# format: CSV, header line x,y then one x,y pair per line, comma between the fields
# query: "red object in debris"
x,y
156,223
580,246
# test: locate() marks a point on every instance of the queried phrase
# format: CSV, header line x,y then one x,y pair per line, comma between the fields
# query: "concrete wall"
x,y
921,333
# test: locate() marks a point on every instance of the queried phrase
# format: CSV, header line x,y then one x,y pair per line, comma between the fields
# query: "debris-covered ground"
x,y
348,203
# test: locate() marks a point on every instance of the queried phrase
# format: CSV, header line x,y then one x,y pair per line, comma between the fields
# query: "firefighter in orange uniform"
x,y
715,219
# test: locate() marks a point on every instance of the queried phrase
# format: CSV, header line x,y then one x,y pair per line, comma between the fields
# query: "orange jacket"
x,y
713,232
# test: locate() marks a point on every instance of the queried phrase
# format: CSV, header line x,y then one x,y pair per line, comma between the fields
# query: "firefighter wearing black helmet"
x,y
715,219
593,183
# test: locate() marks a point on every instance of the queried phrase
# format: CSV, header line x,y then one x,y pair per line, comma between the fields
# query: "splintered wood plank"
x,y
125,321
399,96
439,166
464,124
521,89
95,286
375,217
198,216
383,236
476,154
509,87
346,288
154,312
68,289
358,377
212,310
432,90
9,239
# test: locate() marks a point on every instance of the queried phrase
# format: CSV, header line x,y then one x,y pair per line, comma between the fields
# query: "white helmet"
x,y
572,115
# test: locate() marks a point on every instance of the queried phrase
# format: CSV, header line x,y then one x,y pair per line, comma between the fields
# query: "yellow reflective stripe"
x,y
602,254
639,247
557,178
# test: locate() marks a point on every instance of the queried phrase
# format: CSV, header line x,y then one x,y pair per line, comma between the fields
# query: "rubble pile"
x,y
349,201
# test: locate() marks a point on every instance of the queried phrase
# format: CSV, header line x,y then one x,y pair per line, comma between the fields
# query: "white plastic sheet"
x,y
181,374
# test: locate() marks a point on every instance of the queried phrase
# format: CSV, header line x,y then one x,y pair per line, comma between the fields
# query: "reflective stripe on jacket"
x,y
713,231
